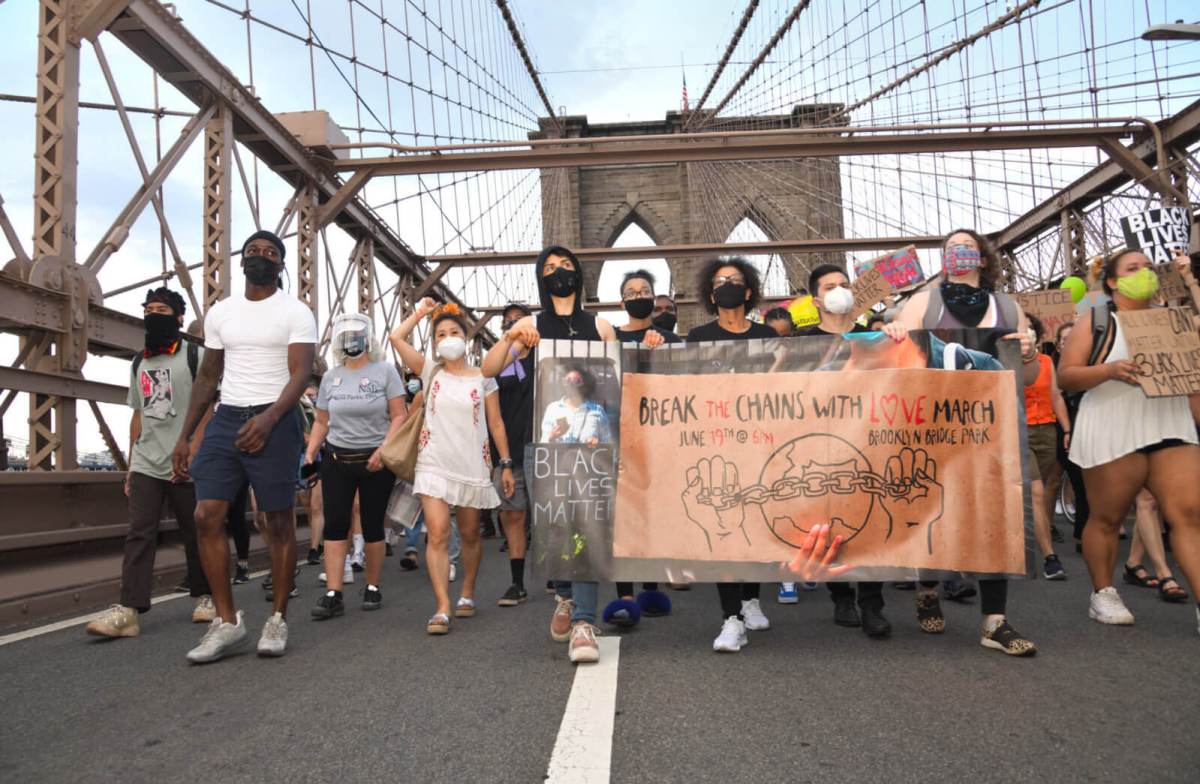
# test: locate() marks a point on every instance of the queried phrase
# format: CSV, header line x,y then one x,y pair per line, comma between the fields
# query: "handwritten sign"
x,y
868,288
1158,233
901,268
1052,306
572,488
1166,349
1170,283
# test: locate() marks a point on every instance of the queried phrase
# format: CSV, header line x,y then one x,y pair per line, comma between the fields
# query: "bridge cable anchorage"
x,y
529,66
733,42
762,55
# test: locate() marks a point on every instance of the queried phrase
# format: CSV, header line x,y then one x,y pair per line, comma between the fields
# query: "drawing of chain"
x,y
814,484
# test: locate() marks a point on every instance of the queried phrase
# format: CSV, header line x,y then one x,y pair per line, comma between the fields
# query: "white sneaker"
x,y
347,577
205,610
453,573
273,641
732,636
1106,607
220,639
755,620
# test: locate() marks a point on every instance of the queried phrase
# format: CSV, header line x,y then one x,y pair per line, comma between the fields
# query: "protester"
x,y
966,298
780,320
454,462
1147,541
260,350
639,302
313,496
515,383
1044,409
664,315
360,403
160,390
729,288
1124,440
1074,473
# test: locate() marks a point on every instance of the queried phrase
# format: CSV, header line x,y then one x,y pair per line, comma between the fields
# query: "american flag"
x,y
685,100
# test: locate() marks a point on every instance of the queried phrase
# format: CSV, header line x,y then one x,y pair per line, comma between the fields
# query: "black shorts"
x,y
221,469
1166,443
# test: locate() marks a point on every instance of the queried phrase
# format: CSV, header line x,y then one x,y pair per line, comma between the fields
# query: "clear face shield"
x,y
351,335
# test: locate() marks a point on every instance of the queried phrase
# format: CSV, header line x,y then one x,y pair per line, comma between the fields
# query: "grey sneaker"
x,y
274,637
220,640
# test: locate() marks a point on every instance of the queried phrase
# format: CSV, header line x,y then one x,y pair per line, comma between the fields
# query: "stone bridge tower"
x,y
696,202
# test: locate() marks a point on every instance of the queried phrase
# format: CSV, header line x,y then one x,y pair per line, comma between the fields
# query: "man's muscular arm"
x,y
204,392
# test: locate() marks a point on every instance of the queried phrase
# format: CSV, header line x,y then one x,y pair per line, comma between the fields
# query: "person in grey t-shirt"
x,y
360,402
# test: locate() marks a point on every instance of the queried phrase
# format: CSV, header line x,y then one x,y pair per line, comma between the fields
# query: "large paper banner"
x,y
901,268
1166,349
1158,233
719,458
1052,306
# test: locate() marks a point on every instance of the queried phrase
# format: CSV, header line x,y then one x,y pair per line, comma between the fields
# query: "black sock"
x,y
517,566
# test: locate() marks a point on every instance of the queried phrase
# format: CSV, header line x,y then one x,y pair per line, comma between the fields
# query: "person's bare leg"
x,y
1111,488
1147,536
213,547
1041,521
1173,482
281,542
335,563
375,553
316,517
513,524
437,550
1050,488
472,549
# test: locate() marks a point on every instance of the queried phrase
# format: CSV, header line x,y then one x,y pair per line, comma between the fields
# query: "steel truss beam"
x,y
29,307
38,383
767,247
218,177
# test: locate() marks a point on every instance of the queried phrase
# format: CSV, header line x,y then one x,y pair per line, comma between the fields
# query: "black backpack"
x,y
193,359
1103,335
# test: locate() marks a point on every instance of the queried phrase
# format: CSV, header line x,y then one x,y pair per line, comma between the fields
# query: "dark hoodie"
x,y
543,293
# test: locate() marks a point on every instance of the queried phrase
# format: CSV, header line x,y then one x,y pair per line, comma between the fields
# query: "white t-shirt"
x,y
255,338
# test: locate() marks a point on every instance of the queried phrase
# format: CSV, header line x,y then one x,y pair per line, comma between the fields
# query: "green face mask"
x,y
1140,286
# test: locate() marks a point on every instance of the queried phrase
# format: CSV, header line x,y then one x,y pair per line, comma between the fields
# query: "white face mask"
x,y
452,348
839,301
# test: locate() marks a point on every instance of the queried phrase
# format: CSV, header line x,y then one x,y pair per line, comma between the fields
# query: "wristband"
x,y
506,463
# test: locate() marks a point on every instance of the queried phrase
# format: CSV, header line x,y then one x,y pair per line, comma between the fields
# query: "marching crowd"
x,y
244,421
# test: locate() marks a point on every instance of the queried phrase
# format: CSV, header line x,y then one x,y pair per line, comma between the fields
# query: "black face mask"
x,y
260,270
639,308
968,304
665,321
161,330
730,295
561,282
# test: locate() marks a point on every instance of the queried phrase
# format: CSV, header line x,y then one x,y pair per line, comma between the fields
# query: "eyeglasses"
x,y
721,280
269,251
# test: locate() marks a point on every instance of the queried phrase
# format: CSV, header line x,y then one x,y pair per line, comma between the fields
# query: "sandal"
x,y
1134,576
1174,595
465,608
929,613
438,624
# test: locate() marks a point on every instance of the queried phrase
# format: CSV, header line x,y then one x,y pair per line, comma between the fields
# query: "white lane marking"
x,y
583,751
38,631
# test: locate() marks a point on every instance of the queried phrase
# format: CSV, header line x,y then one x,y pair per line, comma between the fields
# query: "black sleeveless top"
x,y
580,325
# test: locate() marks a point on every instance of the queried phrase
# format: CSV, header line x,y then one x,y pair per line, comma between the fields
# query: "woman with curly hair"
x,y
454,459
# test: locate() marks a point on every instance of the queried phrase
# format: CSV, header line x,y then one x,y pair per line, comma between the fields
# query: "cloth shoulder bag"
x,y
399,450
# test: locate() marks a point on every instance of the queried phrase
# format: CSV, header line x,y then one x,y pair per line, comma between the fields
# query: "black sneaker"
x,y
242,575
183,587
1056,535
513,596
1008,640
269,587
874,624
1053,569
356,567
957,590
409,562
388,552
329,605
372,598
845,613
314,557
550,589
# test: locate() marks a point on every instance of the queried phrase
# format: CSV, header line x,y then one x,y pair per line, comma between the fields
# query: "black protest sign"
x,y
1158,233
572,488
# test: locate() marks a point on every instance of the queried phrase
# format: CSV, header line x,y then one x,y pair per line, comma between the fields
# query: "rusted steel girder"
x,y
765,247
768,145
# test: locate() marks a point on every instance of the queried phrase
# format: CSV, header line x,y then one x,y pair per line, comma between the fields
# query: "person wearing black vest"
x,y
729,288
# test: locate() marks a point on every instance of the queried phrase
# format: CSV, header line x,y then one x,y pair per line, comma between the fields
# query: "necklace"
x,y
569,323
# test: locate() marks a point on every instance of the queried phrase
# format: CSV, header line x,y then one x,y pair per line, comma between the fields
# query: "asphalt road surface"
x,y
371,697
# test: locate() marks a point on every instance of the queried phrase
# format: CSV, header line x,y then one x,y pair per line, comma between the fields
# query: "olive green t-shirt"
x,y
161,388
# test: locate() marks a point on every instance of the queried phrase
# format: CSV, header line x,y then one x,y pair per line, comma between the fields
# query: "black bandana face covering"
x,y
966,303
162,329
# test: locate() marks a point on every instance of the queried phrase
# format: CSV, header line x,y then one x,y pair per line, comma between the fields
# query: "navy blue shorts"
x,y
220,469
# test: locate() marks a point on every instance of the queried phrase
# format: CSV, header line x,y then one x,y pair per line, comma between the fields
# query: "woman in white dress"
x,y
454,461
1124,440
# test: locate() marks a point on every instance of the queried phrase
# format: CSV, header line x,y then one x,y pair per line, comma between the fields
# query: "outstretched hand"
x,y
816,560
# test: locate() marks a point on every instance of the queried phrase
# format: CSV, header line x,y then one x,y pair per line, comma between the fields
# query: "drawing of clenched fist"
x,y
913,498
710,501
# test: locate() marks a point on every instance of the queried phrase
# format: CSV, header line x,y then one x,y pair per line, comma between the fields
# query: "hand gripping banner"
x,y
713,461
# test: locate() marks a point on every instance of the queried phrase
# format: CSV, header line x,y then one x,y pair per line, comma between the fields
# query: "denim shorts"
x,y
220,469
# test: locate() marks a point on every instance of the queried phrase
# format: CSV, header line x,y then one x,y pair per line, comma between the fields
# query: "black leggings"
x,y
237,524
626,589
340,479
733,594
993,595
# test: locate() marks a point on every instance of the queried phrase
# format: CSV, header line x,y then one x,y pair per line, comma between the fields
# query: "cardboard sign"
x,y
1158,233
804,312
901,268
1170,283
1052,306
1164,345
868,288
571,499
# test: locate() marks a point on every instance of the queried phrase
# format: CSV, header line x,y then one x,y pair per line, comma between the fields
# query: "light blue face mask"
x,y
864,338
413,386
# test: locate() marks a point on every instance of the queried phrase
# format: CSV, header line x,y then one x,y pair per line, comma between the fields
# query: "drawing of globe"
x,y
819,453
